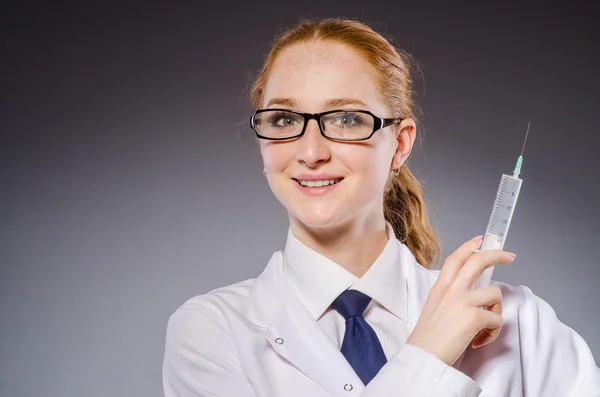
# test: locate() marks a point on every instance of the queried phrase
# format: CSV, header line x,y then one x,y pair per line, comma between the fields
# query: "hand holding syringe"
x,y
448,323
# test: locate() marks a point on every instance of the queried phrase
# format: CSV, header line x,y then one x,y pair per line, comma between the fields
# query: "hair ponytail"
x,y
405,209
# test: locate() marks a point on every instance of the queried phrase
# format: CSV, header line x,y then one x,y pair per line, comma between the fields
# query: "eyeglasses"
x,y
340,125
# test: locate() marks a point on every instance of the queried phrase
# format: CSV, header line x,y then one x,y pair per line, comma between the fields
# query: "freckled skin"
x,y
312,74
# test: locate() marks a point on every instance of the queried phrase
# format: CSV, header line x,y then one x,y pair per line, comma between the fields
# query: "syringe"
x,y
504,207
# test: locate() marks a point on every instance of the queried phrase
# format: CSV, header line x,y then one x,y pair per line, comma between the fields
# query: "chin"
x,y
318,218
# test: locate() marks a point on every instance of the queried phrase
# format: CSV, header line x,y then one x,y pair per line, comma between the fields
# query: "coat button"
x,y
348,387
279,341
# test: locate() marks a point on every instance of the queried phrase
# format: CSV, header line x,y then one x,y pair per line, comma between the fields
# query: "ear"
x,y
405,137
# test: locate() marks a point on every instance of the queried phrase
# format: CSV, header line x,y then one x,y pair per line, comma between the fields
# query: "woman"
x,y
349,307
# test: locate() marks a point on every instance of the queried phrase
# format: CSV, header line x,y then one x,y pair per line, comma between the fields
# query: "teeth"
x,y
324,182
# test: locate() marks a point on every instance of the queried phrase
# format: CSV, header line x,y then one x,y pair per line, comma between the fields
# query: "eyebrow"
x,y
332,103
345,101
287,102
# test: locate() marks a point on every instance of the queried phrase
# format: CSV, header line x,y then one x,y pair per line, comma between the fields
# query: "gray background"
x,y
130,180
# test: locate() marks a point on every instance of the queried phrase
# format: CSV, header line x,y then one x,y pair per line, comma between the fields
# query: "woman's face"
x,y
313,78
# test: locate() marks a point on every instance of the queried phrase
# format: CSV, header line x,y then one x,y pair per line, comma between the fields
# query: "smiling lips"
x,y
317,184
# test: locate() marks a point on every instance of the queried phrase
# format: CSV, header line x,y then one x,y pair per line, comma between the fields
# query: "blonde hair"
x,y
404,206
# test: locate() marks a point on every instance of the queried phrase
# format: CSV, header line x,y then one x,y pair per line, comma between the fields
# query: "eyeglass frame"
x,y
382,122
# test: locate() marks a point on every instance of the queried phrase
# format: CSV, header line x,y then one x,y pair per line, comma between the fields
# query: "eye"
x,y
283,119
348,119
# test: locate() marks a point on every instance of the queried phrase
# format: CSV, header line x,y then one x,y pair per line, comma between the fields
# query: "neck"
x,y
354,247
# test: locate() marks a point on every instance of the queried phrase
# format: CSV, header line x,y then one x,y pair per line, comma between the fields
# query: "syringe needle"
x,y
527,133
517,170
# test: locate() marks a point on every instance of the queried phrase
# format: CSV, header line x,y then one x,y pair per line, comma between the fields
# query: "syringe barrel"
x,y
499,223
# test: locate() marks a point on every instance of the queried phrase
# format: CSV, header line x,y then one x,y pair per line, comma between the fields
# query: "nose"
x,y
313,148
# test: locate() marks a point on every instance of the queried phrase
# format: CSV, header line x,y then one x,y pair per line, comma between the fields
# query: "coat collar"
x,y
266,293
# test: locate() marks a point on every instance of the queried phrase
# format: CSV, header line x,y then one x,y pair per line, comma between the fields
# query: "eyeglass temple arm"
x,y
388,122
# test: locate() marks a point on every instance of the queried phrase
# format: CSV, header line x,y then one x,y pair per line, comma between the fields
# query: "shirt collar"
x,y
319,280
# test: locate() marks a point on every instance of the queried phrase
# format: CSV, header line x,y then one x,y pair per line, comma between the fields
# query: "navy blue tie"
x,y
360,346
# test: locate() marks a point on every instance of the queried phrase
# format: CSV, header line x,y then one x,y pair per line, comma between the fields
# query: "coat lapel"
x,y
297,337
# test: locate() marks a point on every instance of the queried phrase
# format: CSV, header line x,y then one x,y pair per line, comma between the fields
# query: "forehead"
x,y
317,72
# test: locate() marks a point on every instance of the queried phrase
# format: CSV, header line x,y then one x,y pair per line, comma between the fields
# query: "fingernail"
x,y
477,240
512,256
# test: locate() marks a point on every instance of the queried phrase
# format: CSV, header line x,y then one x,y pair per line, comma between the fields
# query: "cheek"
x,y
369,163
275,156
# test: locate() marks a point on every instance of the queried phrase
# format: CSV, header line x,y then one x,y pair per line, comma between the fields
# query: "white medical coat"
x,y
256,339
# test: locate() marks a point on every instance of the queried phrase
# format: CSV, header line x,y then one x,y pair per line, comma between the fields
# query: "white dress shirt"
x,y
318,281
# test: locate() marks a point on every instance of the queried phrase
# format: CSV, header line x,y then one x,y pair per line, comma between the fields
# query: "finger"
x,y
485,297
490,331
477,263
485,337
494,322
457,259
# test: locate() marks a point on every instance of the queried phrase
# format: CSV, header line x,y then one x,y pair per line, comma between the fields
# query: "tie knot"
x,y
351,303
